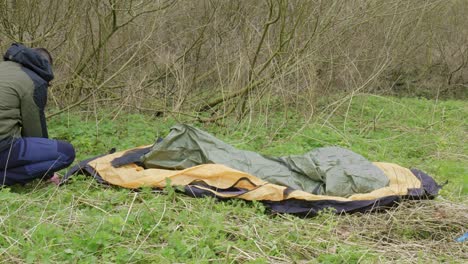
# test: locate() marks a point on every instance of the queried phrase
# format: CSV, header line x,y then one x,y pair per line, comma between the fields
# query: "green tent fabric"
x,y
328,171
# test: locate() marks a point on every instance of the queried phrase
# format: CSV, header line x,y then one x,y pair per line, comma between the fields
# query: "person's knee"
x,y
67,152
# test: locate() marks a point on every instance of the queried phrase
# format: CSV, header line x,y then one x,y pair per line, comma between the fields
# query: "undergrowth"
x,y
87,222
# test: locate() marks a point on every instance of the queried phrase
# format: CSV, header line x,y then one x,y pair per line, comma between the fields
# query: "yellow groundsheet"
x,y
222,177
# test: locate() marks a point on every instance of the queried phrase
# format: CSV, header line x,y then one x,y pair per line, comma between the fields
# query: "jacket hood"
x,y
31,60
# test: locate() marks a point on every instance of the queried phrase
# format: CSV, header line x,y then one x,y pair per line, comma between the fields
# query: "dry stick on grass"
x,y
150,232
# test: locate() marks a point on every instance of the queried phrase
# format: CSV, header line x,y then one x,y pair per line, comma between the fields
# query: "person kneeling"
x,y
26,152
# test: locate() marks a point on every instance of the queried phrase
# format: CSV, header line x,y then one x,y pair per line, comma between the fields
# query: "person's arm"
x,y
32,114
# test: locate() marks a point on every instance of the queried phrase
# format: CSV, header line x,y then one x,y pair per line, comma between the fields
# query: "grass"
x,y
85,222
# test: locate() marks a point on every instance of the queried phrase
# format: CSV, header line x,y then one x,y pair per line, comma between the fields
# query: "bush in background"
x,y
221,58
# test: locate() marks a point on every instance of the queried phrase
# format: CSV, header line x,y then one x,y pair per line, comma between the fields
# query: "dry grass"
x,y
415,231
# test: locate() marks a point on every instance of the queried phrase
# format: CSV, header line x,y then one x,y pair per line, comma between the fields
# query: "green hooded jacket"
x,y
24,79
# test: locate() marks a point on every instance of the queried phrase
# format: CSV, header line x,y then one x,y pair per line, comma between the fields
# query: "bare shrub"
x,y
213,58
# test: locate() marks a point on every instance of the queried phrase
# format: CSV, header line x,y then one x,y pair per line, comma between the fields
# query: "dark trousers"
x,y
31,158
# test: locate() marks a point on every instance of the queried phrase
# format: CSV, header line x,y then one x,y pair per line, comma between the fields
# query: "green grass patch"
x,y
86,222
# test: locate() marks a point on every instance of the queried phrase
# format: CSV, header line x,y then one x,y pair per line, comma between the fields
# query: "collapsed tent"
x,y
331,171
300,184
